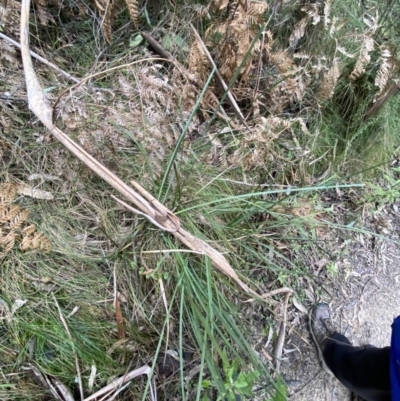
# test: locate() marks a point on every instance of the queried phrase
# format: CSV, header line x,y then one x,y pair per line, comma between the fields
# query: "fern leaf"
x,y
219,5
312,11
385,71
42,12
106,8
328,84
298,32
327,12
133,8
363,59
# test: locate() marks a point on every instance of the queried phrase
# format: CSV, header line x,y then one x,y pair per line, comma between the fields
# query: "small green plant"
x,y
387,193
280,392
332,269
236,383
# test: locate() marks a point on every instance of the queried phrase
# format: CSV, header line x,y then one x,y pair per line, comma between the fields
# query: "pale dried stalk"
x,y
115,384
143,201
41,59
276,292
220,79
78,370
281,336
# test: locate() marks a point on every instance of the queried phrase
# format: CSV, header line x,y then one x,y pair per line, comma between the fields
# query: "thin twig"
x,y
259,66
41,59
118,312
276,292
173,250
122,388
220,79
78,370
157,47
164,297
281,336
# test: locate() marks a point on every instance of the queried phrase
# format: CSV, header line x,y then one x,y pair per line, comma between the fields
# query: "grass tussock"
x,y
110,292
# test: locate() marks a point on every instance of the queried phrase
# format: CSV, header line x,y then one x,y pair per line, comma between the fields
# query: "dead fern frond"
x,y
125,86
363,59
198,64
209,100
329,81
8,53
235,9
133,8
230,40
35,241
282,60
385,71
43,13
255,12
343,51
8,192
219,5
11,212
17,221
6,242
236,45
256,147
107,10
327,13
3,213
298,32
29,230
312,11
12,218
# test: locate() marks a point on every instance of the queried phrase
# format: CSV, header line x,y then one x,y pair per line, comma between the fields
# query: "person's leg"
x,y
364,370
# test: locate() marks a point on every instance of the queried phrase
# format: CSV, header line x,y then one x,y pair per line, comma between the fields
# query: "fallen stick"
x,y
220,79
41,59
157,47
281,335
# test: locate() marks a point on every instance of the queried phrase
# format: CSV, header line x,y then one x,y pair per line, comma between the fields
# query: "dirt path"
x,y
363,307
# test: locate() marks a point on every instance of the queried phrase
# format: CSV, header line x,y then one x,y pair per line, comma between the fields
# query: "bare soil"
x,y
364,302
